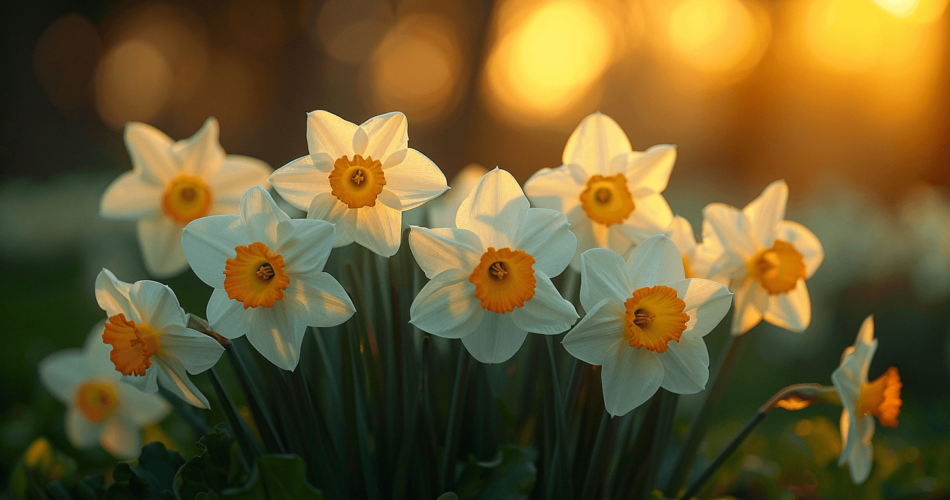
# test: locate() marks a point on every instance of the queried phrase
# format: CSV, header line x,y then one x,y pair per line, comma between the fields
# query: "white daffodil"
x,y
645,323
174,183
863,400
361,178
151,344
610,193
267,274
765,258
490,278
100,409
697,257
442,210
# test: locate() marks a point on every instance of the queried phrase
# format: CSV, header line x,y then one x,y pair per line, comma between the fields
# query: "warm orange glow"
x,y
900,8
845,34
718,36
134,83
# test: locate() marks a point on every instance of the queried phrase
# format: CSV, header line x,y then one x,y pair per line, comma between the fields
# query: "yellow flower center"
x,y
777,269
255,276
97,400
606,199
654,317
132,345
357,182
504,279
186,198
882,398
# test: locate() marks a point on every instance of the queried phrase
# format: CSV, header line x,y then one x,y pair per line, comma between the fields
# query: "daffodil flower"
x,y
100,409
361,178
863,401
697,257
490,278
442,210
765,258
610,193
267,274
174,183
645,323
151,343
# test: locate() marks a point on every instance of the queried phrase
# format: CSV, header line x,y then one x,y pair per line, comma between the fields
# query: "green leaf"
x,y
215,468
448,496
511,475
276,477
152,478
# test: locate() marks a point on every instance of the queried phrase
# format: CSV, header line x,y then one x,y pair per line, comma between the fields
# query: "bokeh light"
x,y
847,35
349,30
133,83
718,36
65,60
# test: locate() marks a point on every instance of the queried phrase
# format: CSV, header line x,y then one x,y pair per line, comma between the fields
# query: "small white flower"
x,y
765,259
697,257
442,210
610,193
173,183
863,401
151,343
100,409
645,323
267,274
490,277
361,178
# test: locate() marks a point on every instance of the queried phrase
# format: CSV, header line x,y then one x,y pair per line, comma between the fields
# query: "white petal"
x,y
305,244
766,211
146,384
131,197
260,215
237,175
683,235
848,381
196,351
860,458
750,303
202,154
379,229
804,241
495,340
415,180
277,332
595,143
157,304
226,316
82,433
598,335
589,235
173,377
494,210
329,134
792,310
546,236
651,215
603,276
140,408
547,312
438,250
327,207
325,299
442,210
685,365
558,188
630,376
731,227
385,135
648,173
656,261
160,239
151,153
113,296
97,354
447,306
122,439
707,302
209,242
62,372
300,180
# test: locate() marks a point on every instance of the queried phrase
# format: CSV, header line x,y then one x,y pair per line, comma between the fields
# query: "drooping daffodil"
x,y
490,277
765,258
645,323
173,183
864,401
267,273
101,410
151,342
361,178
610,193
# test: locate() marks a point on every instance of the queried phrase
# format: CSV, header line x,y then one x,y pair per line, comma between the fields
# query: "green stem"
x,y
664,426
596,460
455,421
573,387
250,449
265,424
561,457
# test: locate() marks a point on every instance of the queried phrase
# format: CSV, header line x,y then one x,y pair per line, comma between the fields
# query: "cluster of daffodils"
x,y
649,290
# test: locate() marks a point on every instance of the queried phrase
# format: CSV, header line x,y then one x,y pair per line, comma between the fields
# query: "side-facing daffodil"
x,y
151,343
361,178
697,257
442,210
610,193
765,258
863,401
645,323
100,409
490,277
267,274
174,183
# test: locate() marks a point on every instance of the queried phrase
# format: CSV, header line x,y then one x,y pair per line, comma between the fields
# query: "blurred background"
x,y
845,99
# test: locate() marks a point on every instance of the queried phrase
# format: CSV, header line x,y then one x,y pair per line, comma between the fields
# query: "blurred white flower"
x,y
697,256
441,211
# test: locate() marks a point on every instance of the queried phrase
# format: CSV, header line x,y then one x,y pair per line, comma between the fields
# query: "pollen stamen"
x,y
357,182
504,279
498,270
654,318
643,318
358,177
265,272
255,276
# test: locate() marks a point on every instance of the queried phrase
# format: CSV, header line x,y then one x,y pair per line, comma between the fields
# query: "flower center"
x,y
97,400
186,198
255,276
606,199
777,269
132,345
504,279
654,317
357,182
882,398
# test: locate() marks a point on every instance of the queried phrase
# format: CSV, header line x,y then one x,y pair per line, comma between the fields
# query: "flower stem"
x,y
265,424
250,449
562,458
455,421
596,460
664,426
